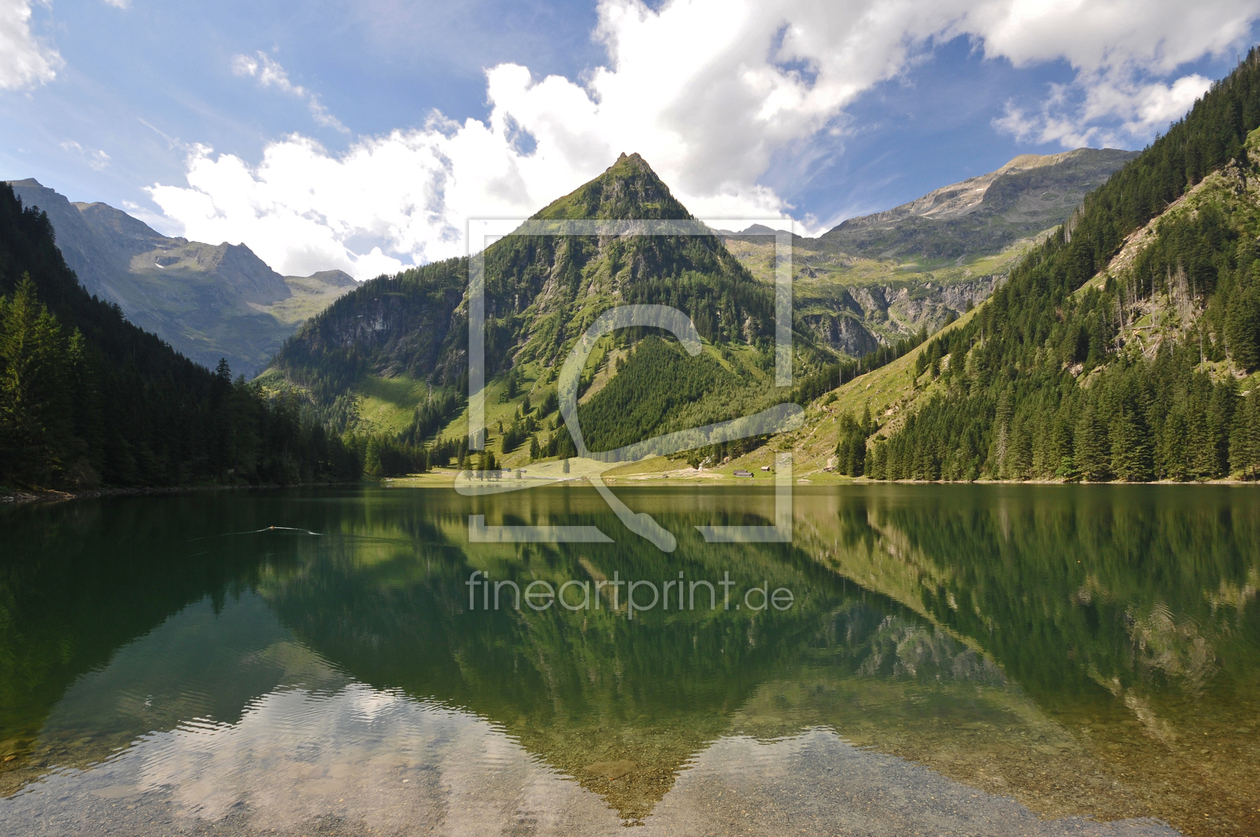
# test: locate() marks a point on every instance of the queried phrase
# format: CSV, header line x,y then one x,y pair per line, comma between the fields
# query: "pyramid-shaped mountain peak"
x,y
628,189
633,159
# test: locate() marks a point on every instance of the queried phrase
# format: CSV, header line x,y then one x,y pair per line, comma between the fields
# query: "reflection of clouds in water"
x,y
373,757
382,761
816,783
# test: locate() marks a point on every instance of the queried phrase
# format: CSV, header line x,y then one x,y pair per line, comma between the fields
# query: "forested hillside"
x,y
409,333
1122,348
87,398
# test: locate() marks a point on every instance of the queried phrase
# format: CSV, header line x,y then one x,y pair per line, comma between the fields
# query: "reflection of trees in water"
x,y
591,689
80,579
1127,613
1068,586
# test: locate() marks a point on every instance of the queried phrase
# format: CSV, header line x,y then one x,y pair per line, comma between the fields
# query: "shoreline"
x,y
444,478
26,496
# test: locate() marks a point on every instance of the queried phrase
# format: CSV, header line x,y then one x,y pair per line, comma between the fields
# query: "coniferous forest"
x,y
88,399
1134,375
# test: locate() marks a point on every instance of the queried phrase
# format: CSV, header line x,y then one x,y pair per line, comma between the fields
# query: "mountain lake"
x,y
919,659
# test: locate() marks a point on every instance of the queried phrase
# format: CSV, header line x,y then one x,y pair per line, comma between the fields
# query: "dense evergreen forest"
x,y
88,399
1133,376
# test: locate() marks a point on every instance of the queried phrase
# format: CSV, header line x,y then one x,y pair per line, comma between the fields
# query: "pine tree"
x,y
1018,450
36,375
1059,458
878,458
1220,419
1200,453
1242,326
1173,455
1002,431
851,445
372,459
1244,442
1131,455
1092,454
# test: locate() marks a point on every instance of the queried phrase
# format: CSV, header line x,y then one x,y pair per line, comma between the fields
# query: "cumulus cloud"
x,y
1074,118
24,61
269,73
710,92
1121,51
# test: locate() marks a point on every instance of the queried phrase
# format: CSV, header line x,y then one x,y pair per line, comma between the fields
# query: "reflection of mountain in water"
x,y
621,706
922,628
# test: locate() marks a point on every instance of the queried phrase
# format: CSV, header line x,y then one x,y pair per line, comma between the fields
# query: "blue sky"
x,y
362,135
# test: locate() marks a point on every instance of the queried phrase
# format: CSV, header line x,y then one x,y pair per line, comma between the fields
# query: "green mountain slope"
x,y
1122,347
88,398
879,278
207,301
392,354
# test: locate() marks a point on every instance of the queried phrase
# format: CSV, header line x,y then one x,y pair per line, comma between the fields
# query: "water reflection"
x,y
1090,652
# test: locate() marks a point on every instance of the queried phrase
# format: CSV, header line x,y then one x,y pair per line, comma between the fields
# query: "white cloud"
x,y
24,61
96,158
1158,105
270,74
119,4
710,92
1144,109
1121,50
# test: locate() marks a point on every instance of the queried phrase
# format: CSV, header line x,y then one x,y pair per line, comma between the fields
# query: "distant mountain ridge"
x,y
982,214
879,278
88,398
208,301
392,355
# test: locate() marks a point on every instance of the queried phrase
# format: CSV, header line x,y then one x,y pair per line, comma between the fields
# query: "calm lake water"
x,y
955,660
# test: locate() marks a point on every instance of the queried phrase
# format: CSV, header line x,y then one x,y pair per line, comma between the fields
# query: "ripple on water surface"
x,y
369,759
